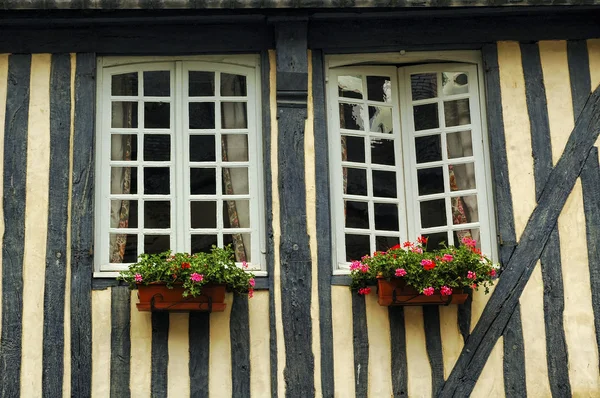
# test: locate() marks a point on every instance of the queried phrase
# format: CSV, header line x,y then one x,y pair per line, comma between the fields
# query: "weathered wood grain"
x,y
13,242
464,318
433,342
398,344
199,336
239,333
579,66
360,341
503,301
160,354
82,226
514,352
120,342
56,243
554,303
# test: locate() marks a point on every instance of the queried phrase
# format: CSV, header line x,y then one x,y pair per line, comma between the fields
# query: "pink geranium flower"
x,y
364,291
138,278
417,249
428,291
428,264
252,282
469,242
446,291
400,272
196,277
244,264
493,273
250,293
447,257
471,275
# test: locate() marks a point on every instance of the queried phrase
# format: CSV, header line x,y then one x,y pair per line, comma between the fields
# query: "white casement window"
x,y
407,158
177,157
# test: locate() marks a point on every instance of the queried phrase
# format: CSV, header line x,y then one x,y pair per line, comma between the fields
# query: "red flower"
x,y
364,291
395,247
422,240
427,264
407,244
185,265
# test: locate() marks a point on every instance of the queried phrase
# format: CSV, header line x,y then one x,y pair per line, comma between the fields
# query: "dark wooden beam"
x,y
398,345
199,341
505,298
360,342
120,342
239,332
433,342
160,354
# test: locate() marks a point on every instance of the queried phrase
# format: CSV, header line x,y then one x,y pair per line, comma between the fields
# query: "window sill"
x,y
102,281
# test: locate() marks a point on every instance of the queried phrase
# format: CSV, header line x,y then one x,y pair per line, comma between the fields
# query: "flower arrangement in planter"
x,y
184,282
411,275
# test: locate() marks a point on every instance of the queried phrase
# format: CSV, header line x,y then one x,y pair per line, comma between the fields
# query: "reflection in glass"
x,y
157,83
157,147
201,84
457,113
202,115
157,115
203,181
430,181
202,148
433,213
357,214
350,87
462,176
426,116
455,83
233,85
379,88
154,244
356,181
384,243
124,84
157,180
203,214
382,152
384,184
380,119
357,246
423,86
202,243
386,216
351,116
436,241
157,214
459,144
428,148
353,149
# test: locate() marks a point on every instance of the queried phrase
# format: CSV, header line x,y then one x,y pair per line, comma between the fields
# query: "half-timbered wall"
x,y
305,333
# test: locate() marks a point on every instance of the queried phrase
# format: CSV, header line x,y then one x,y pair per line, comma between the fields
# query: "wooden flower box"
x,y
395,292
157,297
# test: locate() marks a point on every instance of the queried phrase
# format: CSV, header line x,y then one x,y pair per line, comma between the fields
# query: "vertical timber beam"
x,y
295,259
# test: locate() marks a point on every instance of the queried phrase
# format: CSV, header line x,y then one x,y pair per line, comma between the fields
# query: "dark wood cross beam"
x,y
505,298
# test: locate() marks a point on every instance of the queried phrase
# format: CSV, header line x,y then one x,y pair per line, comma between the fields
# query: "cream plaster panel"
x,y
419,370
491,381
140,333
594,56
343,343
380,349
101,318
219,368
452,341
179,356
36,221
260,349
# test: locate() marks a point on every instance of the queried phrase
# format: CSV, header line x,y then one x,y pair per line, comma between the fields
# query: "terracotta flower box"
x,y
157,297
395,292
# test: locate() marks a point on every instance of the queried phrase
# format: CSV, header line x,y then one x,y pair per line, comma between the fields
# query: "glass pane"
x,y
455,83
203,181
423,86
123,214
426,116
384,184
350,87
351,116
234,147
157,147
123,180
430,181
433,213
355,181
157,180
379,88
157,214
435,241
353,149
202,243
459,144
357,214
386,217
235,181
124,115
123,147
384,243
357,246
467,233
203,214
124,84
202,84
202,115
464,209
428,148
236,214
234,115
154,244
241,245
123,248
456,113
382,152
462,176
233,85
202,148
157,83
157,115
380,119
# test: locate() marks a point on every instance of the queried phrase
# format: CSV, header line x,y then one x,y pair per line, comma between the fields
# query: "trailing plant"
x,y
192,271
427,271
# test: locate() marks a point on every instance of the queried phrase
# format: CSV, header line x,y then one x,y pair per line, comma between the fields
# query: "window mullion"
x,y
180,137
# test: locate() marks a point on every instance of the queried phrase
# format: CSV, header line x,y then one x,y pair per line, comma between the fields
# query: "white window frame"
x,y
248,65
393,65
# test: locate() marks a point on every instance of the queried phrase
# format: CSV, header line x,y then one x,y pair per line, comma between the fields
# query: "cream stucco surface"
x,y
178,374
219,372
380,349
260,351
452,341
101,320
343,348
593,46
140,333
419,370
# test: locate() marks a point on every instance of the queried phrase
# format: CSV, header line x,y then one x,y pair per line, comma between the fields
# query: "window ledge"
x,y
103,281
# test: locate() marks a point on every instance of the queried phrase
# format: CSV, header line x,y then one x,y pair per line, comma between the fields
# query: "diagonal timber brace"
x,y
505,298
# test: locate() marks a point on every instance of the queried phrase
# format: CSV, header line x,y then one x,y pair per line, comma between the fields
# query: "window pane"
x,y
202,148
355,182
457,112
202,84
455,83
234,147
157,147
459,144
350,87
380,119
464,209
203,181
123,214
234,115
467,233
157,214
124,84
382,152
379,88
384,243
241,245
157,181
462,176
353,149
235,181
154,244
233,85
357,246
202,243
423,86
435,241
122,248
433,213
428,148
351,116
123,147
384,184
157,83
430,181
236,214
426,116
124,115
202,115
203,214
357,214
123,180
157,115
386,217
